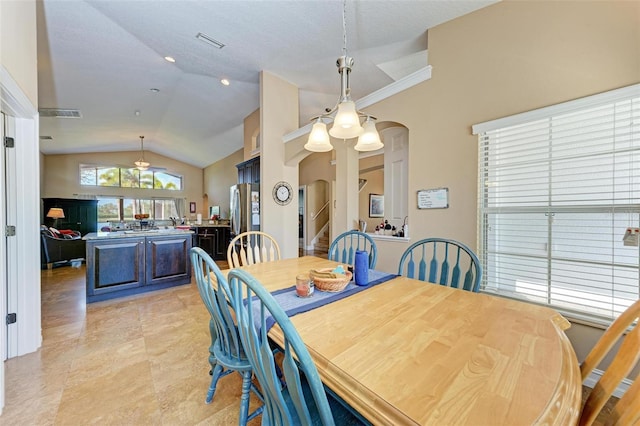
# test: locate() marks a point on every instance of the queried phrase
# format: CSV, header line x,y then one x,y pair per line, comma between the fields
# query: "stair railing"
x,y
315,216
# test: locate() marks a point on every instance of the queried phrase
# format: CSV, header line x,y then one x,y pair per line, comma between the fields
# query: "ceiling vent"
x,y
59,113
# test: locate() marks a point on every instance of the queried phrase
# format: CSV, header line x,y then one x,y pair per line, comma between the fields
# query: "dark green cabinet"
x,y
249,171
79,215
128,265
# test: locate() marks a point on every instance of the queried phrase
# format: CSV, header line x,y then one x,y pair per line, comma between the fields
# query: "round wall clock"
x,y
282,193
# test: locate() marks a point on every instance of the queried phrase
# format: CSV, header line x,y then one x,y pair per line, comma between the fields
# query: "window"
x,y
91,175
558,188
124,209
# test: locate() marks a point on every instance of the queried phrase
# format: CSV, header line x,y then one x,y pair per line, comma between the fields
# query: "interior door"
x,y
396,174
3,253
9,242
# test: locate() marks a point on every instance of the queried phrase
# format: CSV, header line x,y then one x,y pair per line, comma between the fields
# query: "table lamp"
x,y
55,213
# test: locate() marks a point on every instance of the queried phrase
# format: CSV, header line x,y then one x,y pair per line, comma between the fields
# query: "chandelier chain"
x,y
344,27
346,121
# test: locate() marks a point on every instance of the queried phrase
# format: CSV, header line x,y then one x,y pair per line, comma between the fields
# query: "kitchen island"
x,y
130,262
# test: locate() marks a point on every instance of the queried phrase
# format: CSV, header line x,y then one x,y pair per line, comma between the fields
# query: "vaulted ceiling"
x,y
105,59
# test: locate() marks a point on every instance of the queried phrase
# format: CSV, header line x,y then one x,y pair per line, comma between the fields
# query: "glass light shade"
x,y
141,164
346,125
55,213
369,140
318,138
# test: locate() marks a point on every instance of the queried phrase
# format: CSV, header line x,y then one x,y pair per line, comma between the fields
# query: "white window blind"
x,y
558,187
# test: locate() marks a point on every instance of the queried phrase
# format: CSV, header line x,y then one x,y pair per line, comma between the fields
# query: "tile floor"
x,y
139,360
131,361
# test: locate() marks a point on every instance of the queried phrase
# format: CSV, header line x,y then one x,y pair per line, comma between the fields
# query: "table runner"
x,y
293,305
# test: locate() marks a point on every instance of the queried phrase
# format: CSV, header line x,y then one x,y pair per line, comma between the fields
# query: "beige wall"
x,y
18,53
219,177
316,166
278,116
493,63
505,59
251,131
61,177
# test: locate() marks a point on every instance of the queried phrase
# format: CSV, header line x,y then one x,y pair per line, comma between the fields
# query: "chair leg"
x,y
217,373
244,399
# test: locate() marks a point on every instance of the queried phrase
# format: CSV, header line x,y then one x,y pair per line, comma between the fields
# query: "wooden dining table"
x,y
407,352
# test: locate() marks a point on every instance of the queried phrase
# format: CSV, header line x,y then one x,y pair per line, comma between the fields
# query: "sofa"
x,y
60,246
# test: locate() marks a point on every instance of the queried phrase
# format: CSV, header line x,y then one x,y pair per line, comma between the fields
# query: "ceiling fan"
x,y
143,165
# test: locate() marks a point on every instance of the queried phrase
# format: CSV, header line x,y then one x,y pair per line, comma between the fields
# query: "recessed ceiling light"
x,y
169,59
225,82
154,90
215,43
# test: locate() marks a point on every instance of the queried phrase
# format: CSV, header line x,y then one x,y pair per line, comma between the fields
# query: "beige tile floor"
x,y
139,360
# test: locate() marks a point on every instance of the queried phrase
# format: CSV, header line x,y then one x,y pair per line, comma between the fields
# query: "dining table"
x,y
408,352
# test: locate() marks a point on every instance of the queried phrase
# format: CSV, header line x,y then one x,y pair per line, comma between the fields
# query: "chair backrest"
x,y
253,304
252,247
442,261
627,410
215,293
343,248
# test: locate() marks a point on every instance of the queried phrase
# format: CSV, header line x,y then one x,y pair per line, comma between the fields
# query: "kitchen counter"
x,y
130,262
135,233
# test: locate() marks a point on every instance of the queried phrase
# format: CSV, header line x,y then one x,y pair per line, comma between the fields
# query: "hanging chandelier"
x,y
346,122
141,164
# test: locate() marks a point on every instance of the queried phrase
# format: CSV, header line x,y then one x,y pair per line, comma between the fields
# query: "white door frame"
x,y
15,103
9,209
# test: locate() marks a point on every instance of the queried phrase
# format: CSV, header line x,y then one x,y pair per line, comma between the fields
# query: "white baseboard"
x,y
595,376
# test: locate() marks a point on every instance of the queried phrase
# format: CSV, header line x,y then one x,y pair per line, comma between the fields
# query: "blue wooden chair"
x,y
226,354
302,399
343,248
442,261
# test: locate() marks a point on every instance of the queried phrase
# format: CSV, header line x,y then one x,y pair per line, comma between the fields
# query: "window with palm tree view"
x,y
123,209
128,178
115,209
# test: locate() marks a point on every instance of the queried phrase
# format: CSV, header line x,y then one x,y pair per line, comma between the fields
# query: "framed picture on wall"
x,y
376,205
192,207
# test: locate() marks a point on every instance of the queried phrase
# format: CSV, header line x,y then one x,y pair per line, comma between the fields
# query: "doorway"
x,y
302,232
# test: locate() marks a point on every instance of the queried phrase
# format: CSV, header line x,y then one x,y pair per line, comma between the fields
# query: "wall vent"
x,y
59,113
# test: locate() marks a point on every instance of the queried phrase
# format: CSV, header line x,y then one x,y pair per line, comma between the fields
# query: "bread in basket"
x,y
327,280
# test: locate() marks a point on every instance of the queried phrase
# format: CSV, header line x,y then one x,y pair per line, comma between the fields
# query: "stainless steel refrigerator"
x,y
245,208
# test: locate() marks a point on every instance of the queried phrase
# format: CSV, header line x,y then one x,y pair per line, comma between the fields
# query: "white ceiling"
x,y
103,57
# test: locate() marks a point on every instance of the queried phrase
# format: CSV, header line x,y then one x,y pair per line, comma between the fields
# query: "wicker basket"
x,y
331,285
